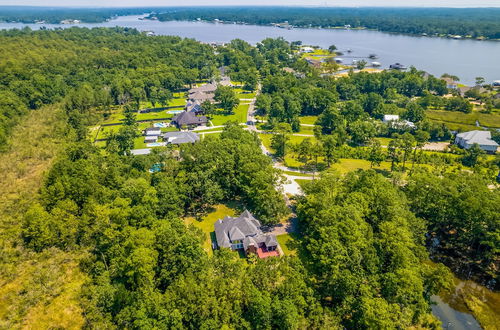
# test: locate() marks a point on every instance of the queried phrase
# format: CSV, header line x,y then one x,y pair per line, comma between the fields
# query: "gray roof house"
x,y
481,138
186,118
201,97
152,131
244,233
180,137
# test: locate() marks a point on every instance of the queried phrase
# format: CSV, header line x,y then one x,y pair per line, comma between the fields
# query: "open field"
x,y
309,120
465,120
287,243
239,115
206,224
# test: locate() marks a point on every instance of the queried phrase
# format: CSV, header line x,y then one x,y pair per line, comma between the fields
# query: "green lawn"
x,y
154,115
239,115
206,224
105,130
384,141
288,244
466,120
298,174
306,130
309,120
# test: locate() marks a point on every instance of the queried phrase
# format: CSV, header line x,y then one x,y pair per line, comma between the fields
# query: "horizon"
x,y
255,3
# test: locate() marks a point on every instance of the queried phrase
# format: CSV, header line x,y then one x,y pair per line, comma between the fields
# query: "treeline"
x,y
473,22
93,69
54,15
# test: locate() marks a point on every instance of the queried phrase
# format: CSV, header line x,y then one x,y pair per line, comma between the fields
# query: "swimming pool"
x,y
174,112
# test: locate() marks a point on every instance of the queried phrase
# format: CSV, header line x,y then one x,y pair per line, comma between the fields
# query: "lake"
x,y
466,59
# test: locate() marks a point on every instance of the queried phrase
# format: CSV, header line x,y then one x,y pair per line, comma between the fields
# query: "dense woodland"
x,y
367,237
475,22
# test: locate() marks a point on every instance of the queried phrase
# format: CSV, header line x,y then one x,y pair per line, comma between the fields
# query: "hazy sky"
x,y
144,3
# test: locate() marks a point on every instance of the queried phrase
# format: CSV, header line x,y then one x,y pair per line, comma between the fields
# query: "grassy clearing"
x,y
464,119
288,244
206,223
306,130
154,115
308,120
37,290
239,115
306,175
384,141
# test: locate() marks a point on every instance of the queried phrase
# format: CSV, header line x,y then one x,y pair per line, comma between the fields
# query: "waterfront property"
x,y
482,138
450,83
244,233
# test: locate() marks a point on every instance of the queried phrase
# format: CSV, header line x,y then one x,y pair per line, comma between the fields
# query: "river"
x,y
466,59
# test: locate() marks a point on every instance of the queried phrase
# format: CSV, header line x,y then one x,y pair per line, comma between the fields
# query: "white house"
x,y
389,118
307,49
481,138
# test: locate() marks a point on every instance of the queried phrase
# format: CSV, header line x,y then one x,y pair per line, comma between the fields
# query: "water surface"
x,y
466,59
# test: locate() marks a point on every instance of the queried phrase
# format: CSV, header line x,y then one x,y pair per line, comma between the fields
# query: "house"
x,y
194,107
306,49
496,83
201,97
139,152
481,138
188,119
152,131
389,118
450,83
180,137
207,88
244,233
313,62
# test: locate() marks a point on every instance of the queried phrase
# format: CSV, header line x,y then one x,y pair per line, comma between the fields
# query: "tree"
x,y
376,155
360,65
421,138
332,49
226,98
472,155
329,146
414,112
407,142
280,138
480,81
208,108
361,131
394,152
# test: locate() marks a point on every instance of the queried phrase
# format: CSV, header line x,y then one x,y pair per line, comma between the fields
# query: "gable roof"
x,y
180,137
188,118
479,137
231,229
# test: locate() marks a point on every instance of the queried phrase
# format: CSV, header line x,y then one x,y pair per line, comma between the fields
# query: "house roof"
x,y
181,137
391,117
230,229
200,96
189,118
479,137
449,81
137,152
152,131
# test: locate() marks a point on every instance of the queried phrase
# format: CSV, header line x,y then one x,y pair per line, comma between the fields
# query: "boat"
x,y
354,62
349,50
338,60
376,64
397,66
373,56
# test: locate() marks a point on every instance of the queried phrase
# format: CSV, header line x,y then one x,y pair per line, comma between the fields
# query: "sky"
x,y
166,3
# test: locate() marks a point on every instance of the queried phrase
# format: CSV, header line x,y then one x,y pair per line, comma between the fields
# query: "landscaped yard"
x,y
207,222
239,115
287,243
154,115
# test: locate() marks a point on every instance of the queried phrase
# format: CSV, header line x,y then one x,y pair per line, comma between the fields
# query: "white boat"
x,y
376,64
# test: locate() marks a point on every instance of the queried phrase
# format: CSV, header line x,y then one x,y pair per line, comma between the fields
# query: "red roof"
x,y
262,254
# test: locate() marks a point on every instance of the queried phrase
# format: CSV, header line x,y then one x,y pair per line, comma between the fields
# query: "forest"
x,y
474,22
92,237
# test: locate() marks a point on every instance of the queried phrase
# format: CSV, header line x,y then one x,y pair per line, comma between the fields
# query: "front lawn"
x,y
288,244
206,223
239,115
467,120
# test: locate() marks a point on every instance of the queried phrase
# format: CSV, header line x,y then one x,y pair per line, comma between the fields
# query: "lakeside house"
x,y
188,119
244,233
314,63
482,138
306,49
450,83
